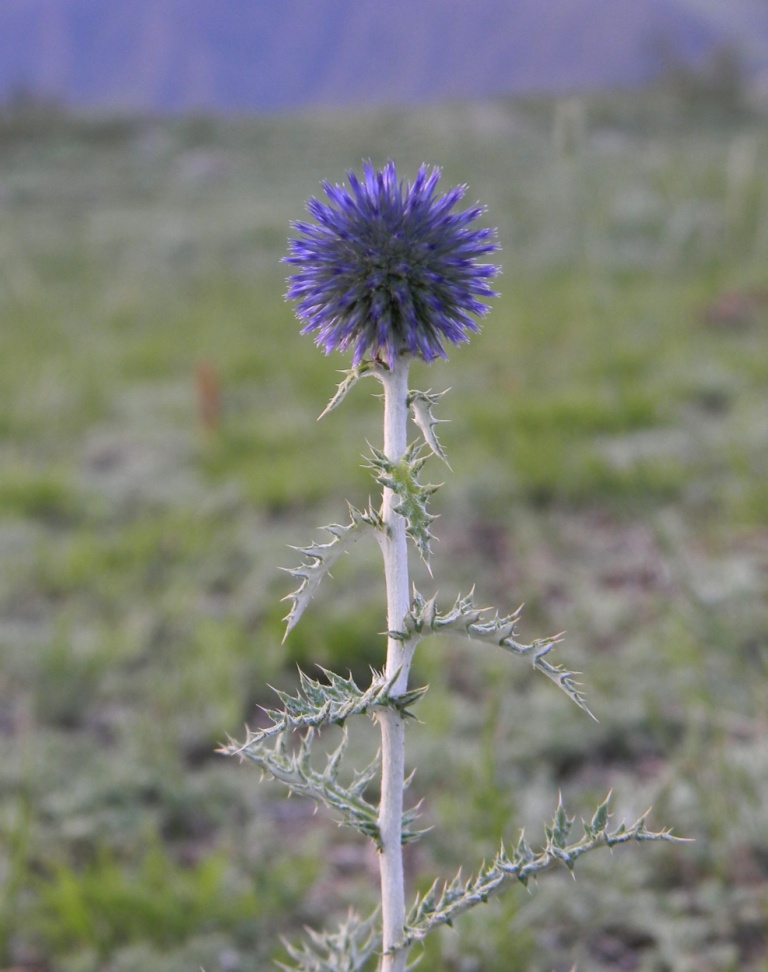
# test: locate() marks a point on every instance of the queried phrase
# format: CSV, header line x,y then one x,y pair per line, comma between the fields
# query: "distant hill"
x,y
269,55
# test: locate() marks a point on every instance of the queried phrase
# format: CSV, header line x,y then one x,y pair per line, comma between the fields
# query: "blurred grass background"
x,y
608,438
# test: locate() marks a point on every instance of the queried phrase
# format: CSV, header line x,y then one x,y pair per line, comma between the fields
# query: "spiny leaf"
x,y
413,496
599,819
421,405
314,706
319,558
561,826
442,905
345,950
351,377
294,769
317,704
465,618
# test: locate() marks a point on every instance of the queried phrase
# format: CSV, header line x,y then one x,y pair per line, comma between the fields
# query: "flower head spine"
x,y
388,268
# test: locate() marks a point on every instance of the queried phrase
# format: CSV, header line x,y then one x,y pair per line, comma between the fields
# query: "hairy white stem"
x,y
393,545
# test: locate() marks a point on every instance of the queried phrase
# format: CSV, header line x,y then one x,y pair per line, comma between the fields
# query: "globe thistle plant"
x,y
391,271
389,268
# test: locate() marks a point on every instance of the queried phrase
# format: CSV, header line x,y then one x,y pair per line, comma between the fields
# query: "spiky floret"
x,y
388,268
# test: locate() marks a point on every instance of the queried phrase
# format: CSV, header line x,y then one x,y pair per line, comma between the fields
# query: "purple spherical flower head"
x,y
388,268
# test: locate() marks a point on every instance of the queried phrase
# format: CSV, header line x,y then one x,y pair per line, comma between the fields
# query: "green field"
x,y
608,440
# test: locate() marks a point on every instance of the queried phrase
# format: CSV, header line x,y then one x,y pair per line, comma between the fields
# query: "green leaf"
x,y
345,950
467,619
421,405
561,826
351,377
319,558
413,496
314,706
599,821
442,905
317,704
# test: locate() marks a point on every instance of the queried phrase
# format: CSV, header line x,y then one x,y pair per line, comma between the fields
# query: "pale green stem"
x,y
393,546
